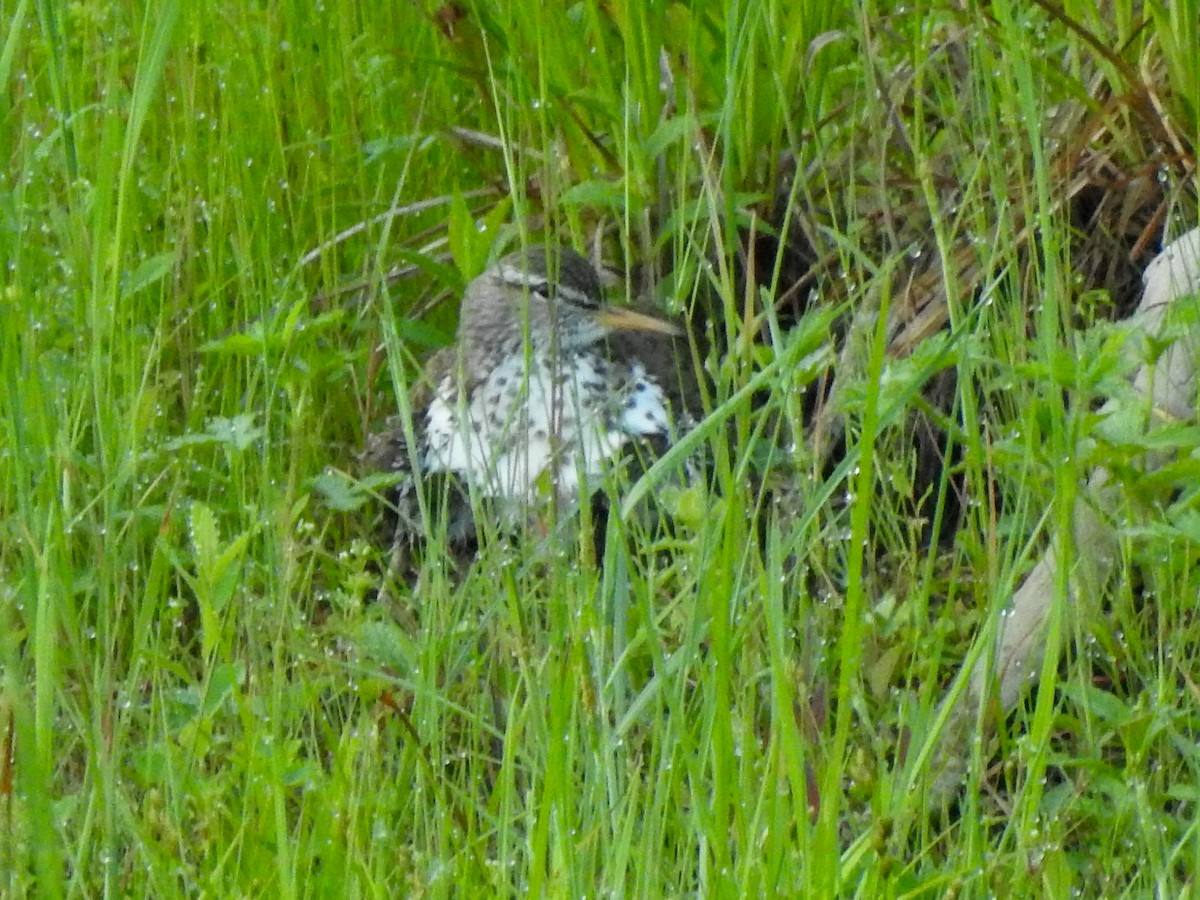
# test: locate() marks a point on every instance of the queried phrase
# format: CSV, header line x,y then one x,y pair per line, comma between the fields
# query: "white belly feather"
x,y
559,421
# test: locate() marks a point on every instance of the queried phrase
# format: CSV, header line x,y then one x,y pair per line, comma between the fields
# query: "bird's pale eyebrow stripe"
x,y
579,298
515,277
520,277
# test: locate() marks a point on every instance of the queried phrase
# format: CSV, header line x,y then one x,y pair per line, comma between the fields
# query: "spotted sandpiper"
x,y
544,392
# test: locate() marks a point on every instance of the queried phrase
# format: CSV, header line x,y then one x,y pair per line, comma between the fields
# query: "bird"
x,y
545,391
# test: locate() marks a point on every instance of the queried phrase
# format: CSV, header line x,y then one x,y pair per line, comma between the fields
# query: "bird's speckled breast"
x,y
561,418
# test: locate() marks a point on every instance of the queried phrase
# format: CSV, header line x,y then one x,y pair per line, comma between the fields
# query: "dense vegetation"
x,y
230,233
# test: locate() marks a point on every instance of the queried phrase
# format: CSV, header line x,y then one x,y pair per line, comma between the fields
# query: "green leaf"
x,y
490,226
250,342
270,334
464,238
218,571
669,132
421,335
452,279
388,644
237,433
226,570
1104,706
344,493
203,527
205,543
1188,525
609,195
225,677
151,270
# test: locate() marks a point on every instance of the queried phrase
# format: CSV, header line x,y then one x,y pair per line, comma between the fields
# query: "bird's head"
x,y
548,296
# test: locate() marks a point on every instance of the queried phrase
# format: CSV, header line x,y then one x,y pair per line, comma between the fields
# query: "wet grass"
x,y
198,694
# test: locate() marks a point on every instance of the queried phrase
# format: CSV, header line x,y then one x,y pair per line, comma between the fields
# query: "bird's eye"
x,y
540,288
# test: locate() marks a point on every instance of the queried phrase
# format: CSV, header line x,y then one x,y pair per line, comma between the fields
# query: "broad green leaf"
x,y
151,270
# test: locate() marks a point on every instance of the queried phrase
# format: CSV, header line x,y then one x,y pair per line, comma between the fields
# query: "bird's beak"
x,y
619,318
